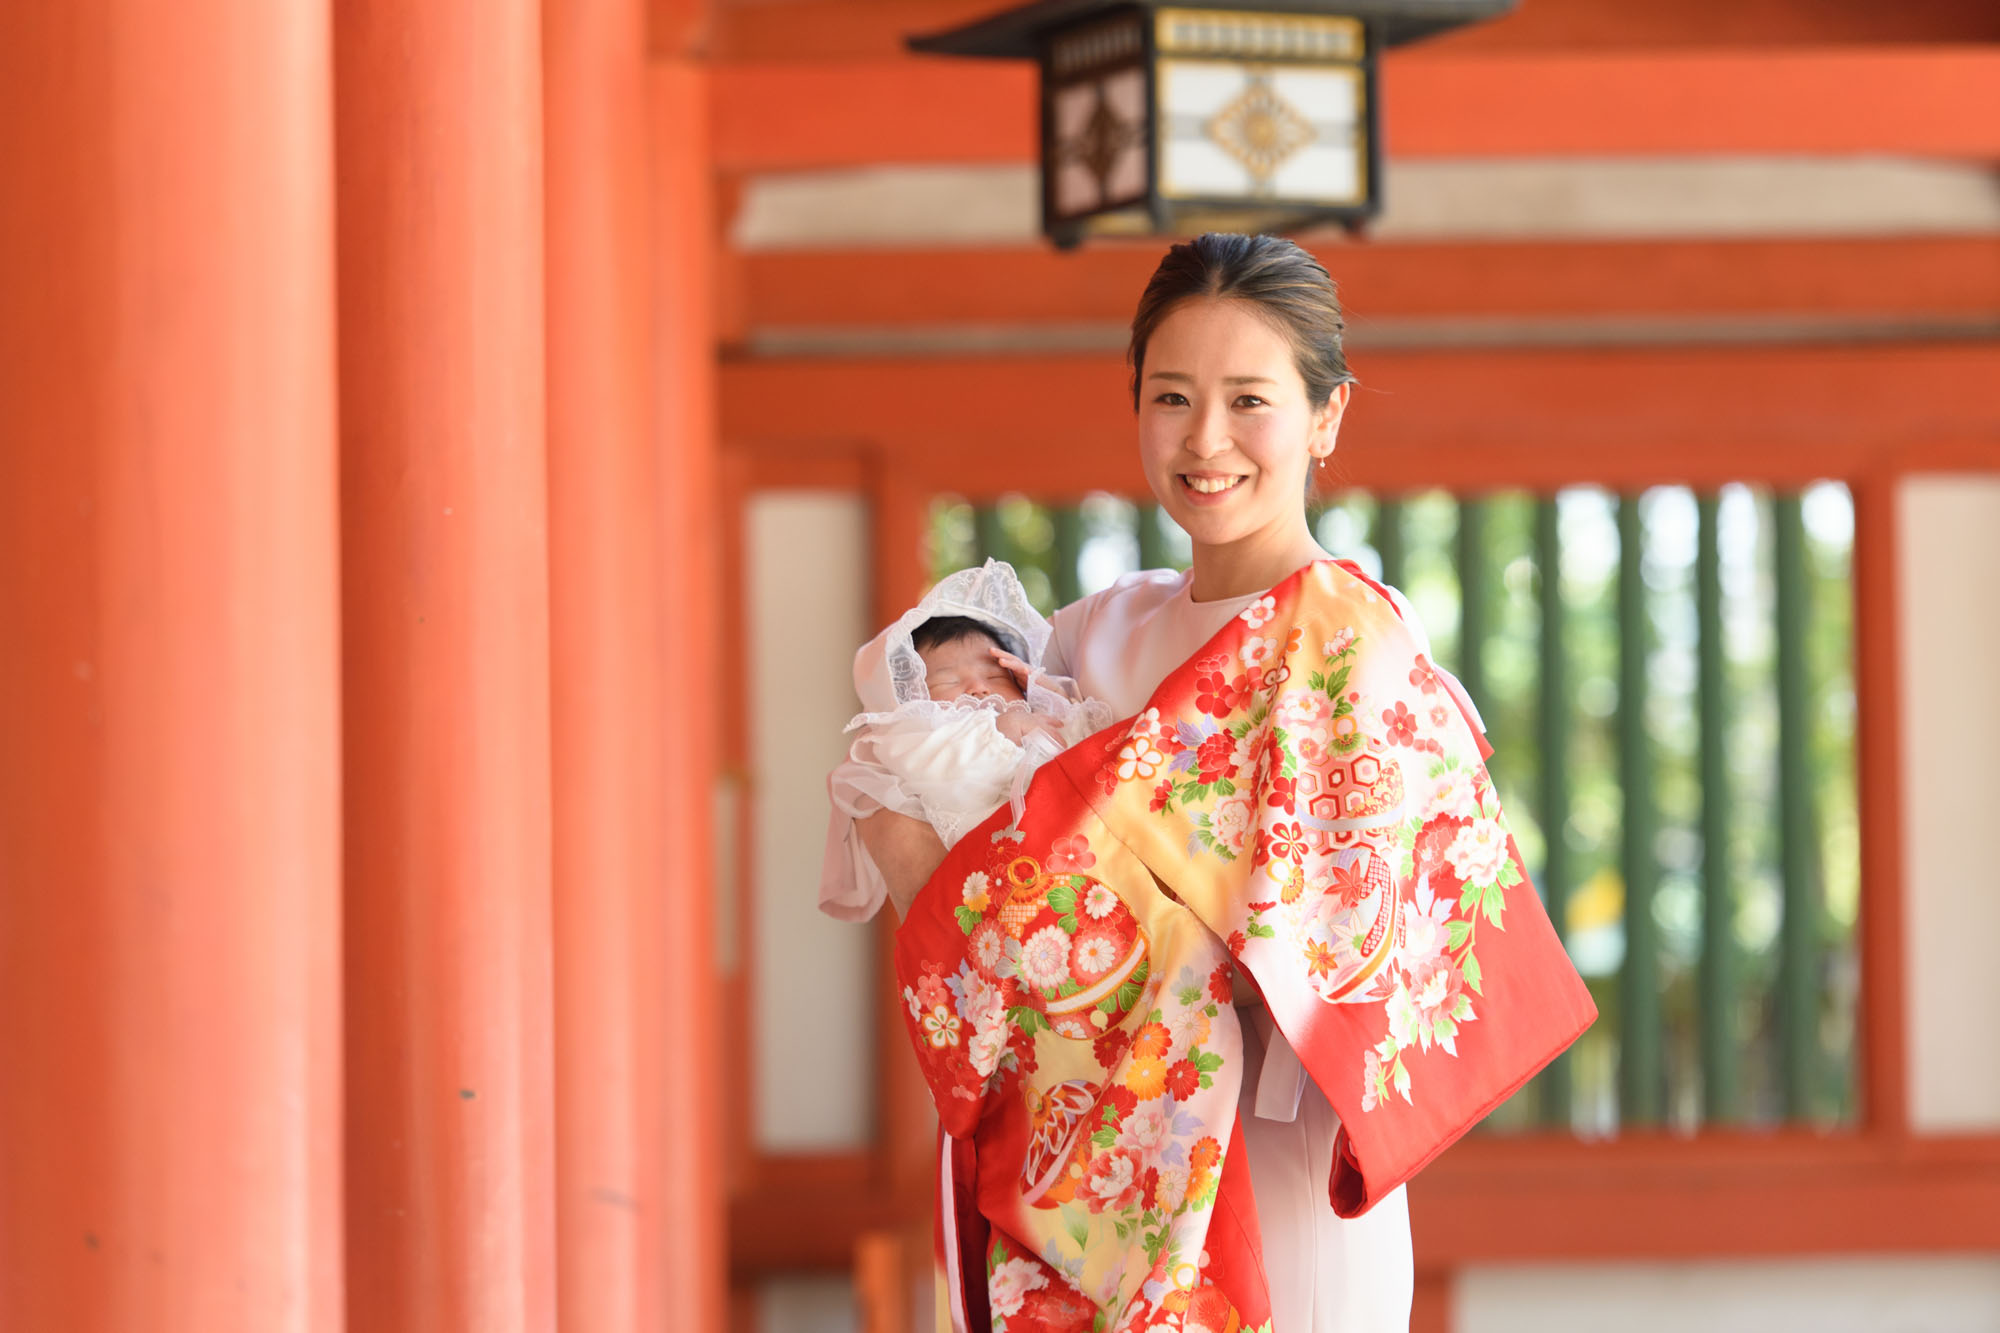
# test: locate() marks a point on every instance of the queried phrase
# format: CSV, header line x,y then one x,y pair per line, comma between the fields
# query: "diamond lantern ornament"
x,y
1163,120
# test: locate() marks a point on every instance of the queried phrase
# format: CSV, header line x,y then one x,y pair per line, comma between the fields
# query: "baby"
x,y
959,716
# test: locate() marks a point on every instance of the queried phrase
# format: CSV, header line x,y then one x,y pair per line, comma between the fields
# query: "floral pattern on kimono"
x,y
1304,800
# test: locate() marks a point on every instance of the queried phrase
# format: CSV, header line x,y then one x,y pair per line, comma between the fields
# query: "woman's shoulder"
x,y
1140,587
1128,596
1129,599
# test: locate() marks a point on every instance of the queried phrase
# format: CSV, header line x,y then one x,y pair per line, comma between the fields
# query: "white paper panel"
x,y
1426,200
807,1305
807,573
1950,534
1836,1295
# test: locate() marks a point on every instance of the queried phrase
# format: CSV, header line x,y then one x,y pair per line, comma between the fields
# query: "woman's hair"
x,y
1282,282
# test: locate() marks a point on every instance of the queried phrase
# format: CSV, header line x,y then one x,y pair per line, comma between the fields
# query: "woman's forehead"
x,y
1219,340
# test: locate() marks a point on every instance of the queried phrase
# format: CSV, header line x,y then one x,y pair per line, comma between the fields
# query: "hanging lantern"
x,y
1163,120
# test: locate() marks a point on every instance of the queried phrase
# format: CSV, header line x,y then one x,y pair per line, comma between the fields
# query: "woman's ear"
x,y
1326,422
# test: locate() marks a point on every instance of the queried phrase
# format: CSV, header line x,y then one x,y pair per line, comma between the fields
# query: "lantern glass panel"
x,y
1098,139
1252,131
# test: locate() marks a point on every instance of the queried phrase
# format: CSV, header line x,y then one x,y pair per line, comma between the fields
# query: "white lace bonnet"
x,y
888,671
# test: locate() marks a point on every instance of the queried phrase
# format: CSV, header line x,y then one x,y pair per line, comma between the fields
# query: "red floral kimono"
x,y
1304,799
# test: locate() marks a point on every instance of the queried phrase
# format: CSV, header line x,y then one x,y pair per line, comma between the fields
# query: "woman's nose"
x,y
1209,434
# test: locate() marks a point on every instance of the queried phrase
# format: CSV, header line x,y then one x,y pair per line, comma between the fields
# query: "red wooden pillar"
x,y
684,249
169,801
450,1141
621,1209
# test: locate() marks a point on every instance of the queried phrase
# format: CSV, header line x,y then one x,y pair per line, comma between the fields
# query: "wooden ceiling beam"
x,y
1058,426
872,29
1914,101
1873,279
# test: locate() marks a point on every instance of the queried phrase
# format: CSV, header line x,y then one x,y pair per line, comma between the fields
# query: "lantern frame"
x,y
1041,31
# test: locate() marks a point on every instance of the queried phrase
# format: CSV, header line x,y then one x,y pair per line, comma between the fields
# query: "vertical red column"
x,y
169,763
450,1147
622,1216
684,252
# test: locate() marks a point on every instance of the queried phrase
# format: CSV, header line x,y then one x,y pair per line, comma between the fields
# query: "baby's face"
x,y
966,667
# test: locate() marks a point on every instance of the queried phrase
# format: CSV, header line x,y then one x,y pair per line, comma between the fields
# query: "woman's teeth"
x,y
1210,485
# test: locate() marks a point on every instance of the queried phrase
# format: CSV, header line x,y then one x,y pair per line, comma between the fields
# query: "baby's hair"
x,y
941,630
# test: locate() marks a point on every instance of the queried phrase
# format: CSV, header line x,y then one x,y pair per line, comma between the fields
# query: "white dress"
x,y
1327,1274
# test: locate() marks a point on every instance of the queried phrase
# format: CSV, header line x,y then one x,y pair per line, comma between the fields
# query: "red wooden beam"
x,y
1495,1200
1486,418
872,29
1876,278
1879,763
1918,101
1780,1194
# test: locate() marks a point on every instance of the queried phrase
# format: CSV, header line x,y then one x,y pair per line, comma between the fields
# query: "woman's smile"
x,y
1209,487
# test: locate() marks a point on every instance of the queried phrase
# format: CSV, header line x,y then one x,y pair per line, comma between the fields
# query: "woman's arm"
x,y
907,851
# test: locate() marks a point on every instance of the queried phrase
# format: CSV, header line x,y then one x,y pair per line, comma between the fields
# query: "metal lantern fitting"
x,y
1163,120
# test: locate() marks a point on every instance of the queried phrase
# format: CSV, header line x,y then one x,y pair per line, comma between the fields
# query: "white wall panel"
x,y
807,1305
1427,200
807,575
1837,1295
1949,591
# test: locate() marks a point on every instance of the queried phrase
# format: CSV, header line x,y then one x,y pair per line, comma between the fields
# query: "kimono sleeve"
x,y
1034,939
1321,802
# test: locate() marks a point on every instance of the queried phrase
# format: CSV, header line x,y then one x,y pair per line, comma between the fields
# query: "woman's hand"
x,y
907,851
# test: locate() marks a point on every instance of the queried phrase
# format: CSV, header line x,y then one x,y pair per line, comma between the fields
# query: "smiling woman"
x,y
1240,382
1239,385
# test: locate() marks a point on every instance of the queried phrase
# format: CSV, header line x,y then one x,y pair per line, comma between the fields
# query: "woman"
x,y
1298,800
1239,382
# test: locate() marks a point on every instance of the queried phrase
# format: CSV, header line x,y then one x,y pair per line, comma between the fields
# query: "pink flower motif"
x,y
1424,676
1008,1286
1260,612
1070,856
931,992
1342,640
1112,1181
1231,823
1402,724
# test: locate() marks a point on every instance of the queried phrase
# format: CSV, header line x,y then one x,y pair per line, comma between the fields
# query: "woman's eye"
x,y
1249,400
1171,400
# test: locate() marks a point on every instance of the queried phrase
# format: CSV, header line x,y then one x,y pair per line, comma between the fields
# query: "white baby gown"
x,y
944,763
1327,1274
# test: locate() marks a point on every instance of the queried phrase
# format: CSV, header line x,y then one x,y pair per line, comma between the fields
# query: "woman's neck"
x,y
1251,564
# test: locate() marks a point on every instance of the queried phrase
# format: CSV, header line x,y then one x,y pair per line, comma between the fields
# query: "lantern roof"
x,y
1015,34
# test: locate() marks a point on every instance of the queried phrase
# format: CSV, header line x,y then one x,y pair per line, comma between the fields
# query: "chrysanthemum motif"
x,y
1045,958
1097,952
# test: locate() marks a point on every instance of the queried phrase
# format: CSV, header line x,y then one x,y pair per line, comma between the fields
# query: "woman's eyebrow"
x,y
1181,377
